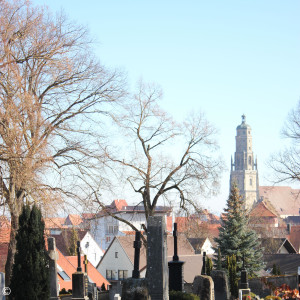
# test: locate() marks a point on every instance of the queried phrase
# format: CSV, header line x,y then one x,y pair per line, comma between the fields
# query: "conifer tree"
x,y
30,277
236,238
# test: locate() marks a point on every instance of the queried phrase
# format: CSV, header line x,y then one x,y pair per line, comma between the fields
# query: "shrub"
x,y
176,295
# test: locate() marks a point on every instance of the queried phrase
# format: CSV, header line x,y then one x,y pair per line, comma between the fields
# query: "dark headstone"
x,y
203,286
221,285
135,289
157,268
54,290
204,264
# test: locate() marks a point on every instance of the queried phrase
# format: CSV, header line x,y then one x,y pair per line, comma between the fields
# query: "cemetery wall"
x,y
258,286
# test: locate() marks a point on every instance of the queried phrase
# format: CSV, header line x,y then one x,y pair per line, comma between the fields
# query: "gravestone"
x,y
175,267
157,267
79,281
135,289
221,285
203,286
54,290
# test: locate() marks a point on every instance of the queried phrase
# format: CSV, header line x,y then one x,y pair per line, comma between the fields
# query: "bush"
x,y
272,298
176,295
64,292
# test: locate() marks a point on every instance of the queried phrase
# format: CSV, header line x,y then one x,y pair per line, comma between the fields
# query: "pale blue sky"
x,y
225,58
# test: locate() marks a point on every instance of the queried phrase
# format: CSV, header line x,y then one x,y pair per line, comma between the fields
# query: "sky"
x,y
224,58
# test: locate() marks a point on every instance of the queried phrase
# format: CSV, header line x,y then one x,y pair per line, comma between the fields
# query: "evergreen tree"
x,y
72,242
218,261
236,238
209,266
30,277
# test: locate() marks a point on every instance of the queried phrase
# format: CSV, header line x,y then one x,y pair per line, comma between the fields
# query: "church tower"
x,y
244,168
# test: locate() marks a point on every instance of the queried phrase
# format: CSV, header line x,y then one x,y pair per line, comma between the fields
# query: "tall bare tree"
x,y
52,90
159,157
286,163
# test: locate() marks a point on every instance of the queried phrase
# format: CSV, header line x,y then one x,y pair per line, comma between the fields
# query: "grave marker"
x,y
157,270
54,290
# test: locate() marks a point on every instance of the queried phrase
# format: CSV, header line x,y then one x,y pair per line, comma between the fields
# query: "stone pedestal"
x,y
157,268
176,275
135,289
79,286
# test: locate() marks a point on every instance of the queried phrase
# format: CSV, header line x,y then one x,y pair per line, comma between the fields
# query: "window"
x,y
123,274
107,239
64,275
108,274
116,229
250,160
116,254
250,181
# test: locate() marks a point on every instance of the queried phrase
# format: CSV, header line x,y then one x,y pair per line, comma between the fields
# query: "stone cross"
x,y
137,246
175,267
85,262
157,271
204,264
244,276
54,290
79,269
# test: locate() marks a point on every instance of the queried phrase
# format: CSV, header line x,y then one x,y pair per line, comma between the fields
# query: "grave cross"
x,y
244,276
204,264
137,244
85,262
175,256
79,269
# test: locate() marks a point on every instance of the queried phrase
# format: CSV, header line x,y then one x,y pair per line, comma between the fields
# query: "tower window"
x,y
249,160
250,181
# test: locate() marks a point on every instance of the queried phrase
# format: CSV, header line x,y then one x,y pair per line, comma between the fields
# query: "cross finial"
x,y
243,118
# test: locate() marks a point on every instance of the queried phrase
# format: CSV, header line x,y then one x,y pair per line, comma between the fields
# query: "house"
x,y
88,245
288,263
54,225
118,260
284,199
262,215
277,246
67,265
104,227
201,245
73,221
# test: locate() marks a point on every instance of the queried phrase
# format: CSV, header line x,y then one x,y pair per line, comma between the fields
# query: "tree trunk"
x,y
11,247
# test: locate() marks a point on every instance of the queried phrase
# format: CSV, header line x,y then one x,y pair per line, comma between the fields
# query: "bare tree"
x,y
160,158
52,91
286,163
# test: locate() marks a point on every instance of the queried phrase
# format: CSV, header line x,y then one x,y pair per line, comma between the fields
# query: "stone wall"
x,y
259,288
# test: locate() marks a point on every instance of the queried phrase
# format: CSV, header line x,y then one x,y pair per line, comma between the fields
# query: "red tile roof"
x,y
74,220
54,222
4,235
92,272
284,199
294,237
118,204
261,210
3,256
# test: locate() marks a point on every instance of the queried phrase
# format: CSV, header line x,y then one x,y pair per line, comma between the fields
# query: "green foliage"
x,y
218,262
30,276
232,274
272,298
72,243
64,292
209,266
176,295
276,270
103,288
236,238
